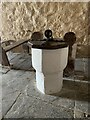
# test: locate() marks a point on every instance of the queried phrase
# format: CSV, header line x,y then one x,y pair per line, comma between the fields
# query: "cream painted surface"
x,y
37,59
54,60
49,66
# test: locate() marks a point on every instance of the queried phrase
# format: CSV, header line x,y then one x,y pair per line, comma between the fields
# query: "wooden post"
x,y
4,59
70,38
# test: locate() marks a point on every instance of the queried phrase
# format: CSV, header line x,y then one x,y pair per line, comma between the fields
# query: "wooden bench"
x,y
4,60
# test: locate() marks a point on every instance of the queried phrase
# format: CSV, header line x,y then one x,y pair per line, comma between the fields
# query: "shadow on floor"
x,y
75,90
71,89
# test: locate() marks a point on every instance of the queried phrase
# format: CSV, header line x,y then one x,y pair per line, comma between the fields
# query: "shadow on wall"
x,y
83,51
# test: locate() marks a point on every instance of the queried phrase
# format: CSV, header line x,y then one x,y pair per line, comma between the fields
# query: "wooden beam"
x,y
16,44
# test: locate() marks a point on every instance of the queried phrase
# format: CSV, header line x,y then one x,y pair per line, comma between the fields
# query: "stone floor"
x,y
21,99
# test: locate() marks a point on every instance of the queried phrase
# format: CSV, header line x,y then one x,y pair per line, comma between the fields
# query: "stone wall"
x,y
19,20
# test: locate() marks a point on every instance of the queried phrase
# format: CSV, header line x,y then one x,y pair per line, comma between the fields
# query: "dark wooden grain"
x,y
16,44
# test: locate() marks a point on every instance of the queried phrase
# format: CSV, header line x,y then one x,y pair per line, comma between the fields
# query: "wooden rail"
x,y
14,45
5,49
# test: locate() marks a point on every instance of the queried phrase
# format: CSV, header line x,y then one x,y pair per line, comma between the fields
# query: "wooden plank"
x,y
17,60
11,55
16,44
22,62
26,64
